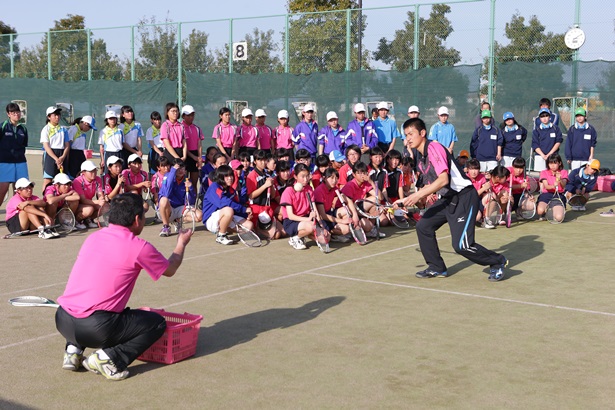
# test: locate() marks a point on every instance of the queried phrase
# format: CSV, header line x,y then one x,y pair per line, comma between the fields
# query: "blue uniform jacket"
x,y
546,138
356,133
13,143
330,140
176,191
513,141
579,141
485,143
217,198
576,180
306,137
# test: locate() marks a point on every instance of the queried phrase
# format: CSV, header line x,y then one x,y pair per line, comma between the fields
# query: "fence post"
x,y
179,64
49,55
416,37
132,58
491,54
348,39
88,33
11,42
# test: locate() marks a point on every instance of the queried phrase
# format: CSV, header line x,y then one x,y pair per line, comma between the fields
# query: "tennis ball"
x,y
298,186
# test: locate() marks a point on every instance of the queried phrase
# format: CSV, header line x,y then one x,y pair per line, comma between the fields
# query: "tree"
x,y
433,32
261,55
317,42
5,48
69,42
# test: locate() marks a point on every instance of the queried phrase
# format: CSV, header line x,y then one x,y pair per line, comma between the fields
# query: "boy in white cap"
x,y
25,212
331,137
386,128
443,131
266,137
90,190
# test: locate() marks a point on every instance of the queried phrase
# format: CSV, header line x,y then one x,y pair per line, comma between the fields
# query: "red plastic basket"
x,y
178,341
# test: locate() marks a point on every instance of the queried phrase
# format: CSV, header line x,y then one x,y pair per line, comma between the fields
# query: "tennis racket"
x,y
25,233
188,218
556,211
357,232
493,210
398,217
103,214
577,202
526,209
33,301
320,233
149,200
509,203
377,219
532,184
65,219
248,237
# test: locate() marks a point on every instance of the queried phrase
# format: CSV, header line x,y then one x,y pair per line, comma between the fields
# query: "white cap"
x,y
331,115
245,112
413,108
88,166
114,160
443,111
308,107
90,121
110,114
260,113
382,105
133,158
282,114
359,107
61,179
187,109
52,109
23,183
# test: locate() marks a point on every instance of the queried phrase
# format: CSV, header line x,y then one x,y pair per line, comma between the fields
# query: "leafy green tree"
x,y
317,42
69,42
261,55
433,32
5,48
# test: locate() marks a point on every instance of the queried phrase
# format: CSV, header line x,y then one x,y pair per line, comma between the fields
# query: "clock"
x,y
574,38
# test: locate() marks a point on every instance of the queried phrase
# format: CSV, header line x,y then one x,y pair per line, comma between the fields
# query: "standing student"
x,y
386,128
283,134
152,135
172,135
546,139
331,136
443,131
305,134
93,310
486,145
553,117
478,120
513,137
194,144
580,141
246,139
457,206
110,139
413,112
224,133
361,132
133,133
13,143
77,137
56,144
266,136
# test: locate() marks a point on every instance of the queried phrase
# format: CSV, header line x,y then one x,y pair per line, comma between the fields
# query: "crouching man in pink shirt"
x,y
93,310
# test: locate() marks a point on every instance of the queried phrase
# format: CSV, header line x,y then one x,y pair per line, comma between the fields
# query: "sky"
x,y
470,21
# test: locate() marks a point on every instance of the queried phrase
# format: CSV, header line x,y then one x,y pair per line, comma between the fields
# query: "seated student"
x,y
479,182
498,191
59,194
519,181
93,310
270,163
407,165
322,164
282,181
395,181
221,207
353,154
296,212
337,160
114,180
135,179
463,158
91,194
163,166
582,181
260,188
303,156
172,198
551,180
246,161
376,170
336,220
218,160
240,181
361,187
26,212
283,154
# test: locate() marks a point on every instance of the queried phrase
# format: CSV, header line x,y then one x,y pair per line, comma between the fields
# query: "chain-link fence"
x,y
263,59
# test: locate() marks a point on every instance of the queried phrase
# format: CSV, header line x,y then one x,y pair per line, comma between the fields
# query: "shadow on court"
x,y
231,332
11,405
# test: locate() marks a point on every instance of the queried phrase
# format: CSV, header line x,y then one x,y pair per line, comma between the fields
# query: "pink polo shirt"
x,y
106,270
52,190
172,132
283,136
226,134
248,136
547,175
265,135
298,200
87,189
194,136
11,206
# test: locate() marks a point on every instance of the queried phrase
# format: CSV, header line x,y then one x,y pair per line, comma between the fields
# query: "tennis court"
x,y
351,329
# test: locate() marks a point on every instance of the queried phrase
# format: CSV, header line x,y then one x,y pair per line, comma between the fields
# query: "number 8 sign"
x,y
240,51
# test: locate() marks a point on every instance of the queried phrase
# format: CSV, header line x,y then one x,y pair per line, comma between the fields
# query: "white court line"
x,y
30,289
23,342
472,295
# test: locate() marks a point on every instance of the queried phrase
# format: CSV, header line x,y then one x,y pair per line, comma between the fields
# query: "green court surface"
x,y
351,329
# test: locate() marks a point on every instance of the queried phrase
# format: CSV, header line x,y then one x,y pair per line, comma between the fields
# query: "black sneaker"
x,y
430,273
496,273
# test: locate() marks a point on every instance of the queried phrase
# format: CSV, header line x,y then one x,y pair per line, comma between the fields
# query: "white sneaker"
x,y
223,239
80,226
487,224
296,243
44,233
339,238
72,361
374,233
96,364
90,223
52,231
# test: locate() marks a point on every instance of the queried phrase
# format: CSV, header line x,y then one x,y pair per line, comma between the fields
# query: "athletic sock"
x,y
73,349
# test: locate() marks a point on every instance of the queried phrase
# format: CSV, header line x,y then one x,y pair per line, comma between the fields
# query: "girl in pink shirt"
x,y
172,135
266,137
298,217
283,134
479,182
225,132
246,139
552,182
59,194
25,211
